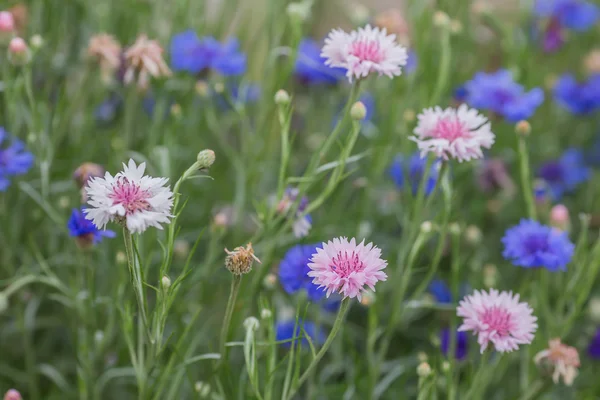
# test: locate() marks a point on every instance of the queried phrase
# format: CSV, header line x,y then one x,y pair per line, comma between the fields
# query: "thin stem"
x,y
339,320
136,277
235,288
526,177
477,386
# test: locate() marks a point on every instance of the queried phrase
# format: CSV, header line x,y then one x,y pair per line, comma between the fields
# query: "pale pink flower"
x,y
364,51
145,59
107,51
17,46
135,200
453,133
7,22
497,317
13,394
345,267
564,359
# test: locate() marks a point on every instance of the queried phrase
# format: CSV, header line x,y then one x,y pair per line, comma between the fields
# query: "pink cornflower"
x,y
497,317
453,133
144,59
345,267
13,394
7,22
134,200
364,51
564,359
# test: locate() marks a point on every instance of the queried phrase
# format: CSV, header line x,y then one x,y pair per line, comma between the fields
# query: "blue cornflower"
x,y
575,15
293,271
594,346
532,245
310,68
84,230
566,173
416,166
578,98
287,330
462,343
499,93
14,159
191,54
412,62
440,291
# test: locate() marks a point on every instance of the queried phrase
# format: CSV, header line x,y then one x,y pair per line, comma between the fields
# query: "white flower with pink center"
x,y
497,317
131,198
364,51
347,268
453,133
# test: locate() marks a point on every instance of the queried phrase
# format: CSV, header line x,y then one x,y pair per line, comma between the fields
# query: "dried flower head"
x,y
105,49
86,171
564,359
239,261
144,59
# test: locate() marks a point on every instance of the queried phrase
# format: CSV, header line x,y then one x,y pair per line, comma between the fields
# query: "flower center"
x,y
498,319
344,264
536,243
130,196
367,50
450,128
552,172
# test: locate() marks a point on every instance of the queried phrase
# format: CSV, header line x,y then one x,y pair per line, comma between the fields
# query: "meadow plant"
x,y
298,200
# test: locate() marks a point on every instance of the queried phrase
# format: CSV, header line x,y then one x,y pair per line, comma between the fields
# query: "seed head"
x,y
239,261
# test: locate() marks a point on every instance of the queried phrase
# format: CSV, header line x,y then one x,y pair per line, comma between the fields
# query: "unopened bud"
x,y
86,171
176,110
251,324
446,366
7,22
165,282
219,87
18,51
121,257
64,202
299,10
454,228
202,388
473,235
426,227
36,42
422,357
559,217
523,128
423,370
490,275
202,89
270,281
358,111
282,97
265,313
205,158
98,337
594,309
592,62
456,26
239,261
368,298
13,394
360,14
441,19
181,248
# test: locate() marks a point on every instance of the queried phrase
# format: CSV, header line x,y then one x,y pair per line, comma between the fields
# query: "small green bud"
x,y
205,159
282,98
358,111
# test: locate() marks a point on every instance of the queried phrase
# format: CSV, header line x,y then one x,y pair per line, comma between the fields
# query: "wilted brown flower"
x,y
106,50
564,359
239,261
592,62
144,59
395,23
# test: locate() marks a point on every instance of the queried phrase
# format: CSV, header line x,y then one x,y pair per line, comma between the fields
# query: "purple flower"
x,y
414,169
594,346
440,291
14,159
578,97
566,173
462,343
191,54
293,271
499,93
575,15
533,245
310,68
84,230
288,330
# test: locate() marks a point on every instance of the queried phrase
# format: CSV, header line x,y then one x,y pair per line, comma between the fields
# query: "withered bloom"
x,y
144,59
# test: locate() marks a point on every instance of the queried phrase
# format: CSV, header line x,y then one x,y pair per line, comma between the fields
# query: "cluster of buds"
x,y
12,22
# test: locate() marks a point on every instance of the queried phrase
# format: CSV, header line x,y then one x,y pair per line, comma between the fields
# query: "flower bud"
x,y
18,51
446,366
251,324
239,261
165,282
426,227
202,89
219,87
205,158
559,217
202,388
368,298
3,303
270,281
176,110
423,370
456,27
422,357
523,128
490,275
86,171
454,228
121,257
36,42
473,235
181,248
592,62
265,313
358,111
360,14
299,10
13,394
441,19
98,337
7,22
594,309
282,98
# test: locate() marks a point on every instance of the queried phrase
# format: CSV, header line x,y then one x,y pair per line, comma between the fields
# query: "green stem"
x,y
339,320
454,283
135,274
235,288
526,177
444,70
477,385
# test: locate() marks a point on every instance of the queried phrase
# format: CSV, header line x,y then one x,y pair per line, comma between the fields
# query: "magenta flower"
x,y
497,317
453,133
364,51
346,268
